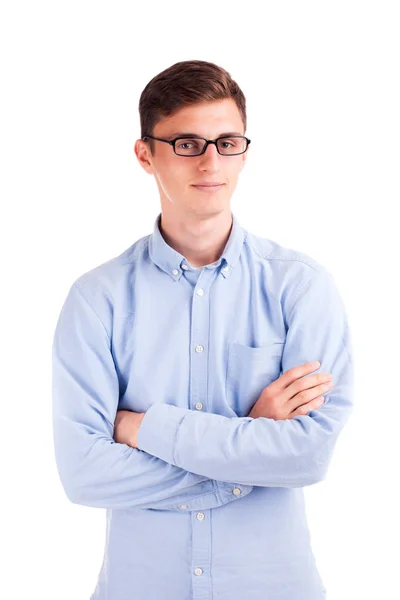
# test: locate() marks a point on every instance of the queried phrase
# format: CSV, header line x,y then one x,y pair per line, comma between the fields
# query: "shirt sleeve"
x,y
94,469
265,452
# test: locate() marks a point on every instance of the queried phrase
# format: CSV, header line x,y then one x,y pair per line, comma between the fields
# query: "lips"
x,y
209,189
207,184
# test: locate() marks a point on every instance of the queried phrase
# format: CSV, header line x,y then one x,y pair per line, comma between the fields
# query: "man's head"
x,y
195,97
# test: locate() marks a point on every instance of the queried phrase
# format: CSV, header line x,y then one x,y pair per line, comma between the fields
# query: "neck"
x,y
201,242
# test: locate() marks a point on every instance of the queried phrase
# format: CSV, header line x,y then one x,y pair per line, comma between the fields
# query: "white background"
x,y
322,86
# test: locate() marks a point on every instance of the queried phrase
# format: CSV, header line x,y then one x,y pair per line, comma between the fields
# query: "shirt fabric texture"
x,y
210,506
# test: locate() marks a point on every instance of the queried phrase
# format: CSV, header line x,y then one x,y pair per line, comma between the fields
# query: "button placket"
x,y
200,319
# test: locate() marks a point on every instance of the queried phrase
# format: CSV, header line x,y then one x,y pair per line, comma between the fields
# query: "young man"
x,y
186,400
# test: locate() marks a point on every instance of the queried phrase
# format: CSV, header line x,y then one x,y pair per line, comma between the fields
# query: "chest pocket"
x,y
249,371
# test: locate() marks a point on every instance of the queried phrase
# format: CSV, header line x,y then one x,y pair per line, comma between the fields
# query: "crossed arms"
x,y
184,454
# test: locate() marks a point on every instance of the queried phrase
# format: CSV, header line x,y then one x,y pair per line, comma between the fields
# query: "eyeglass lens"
x,y
193,146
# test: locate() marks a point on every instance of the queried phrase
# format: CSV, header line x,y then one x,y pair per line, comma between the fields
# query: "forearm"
x,y
94,469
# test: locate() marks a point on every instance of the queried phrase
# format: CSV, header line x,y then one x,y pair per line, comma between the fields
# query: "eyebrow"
x,y
185,134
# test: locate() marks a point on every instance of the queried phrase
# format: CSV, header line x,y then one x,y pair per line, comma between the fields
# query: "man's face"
x,y
176,175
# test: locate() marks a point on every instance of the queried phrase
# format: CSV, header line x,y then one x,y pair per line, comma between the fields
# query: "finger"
x,y
309,394
304,409
301,373
308,382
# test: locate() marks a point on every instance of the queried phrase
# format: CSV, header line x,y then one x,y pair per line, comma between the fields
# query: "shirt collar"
x,y
174,263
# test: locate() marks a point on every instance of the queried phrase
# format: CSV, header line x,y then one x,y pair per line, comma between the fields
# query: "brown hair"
x,y
184,83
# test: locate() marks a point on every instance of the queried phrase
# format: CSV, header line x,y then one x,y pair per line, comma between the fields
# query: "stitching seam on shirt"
x,y
79,288
173,504
297,294
215,485
138,252
302,290
175,438
269,257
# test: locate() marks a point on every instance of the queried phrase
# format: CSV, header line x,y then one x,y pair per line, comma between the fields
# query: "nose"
x,y
210,158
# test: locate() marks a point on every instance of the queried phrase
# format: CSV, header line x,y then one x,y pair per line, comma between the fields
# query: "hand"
x,y
126,427
292,394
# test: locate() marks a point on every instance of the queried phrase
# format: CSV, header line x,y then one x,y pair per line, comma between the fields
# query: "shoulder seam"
x,y
269,257
297,293
80,290
145,243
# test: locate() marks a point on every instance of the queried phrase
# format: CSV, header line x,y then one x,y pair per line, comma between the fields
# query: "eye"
x,y
188,144
230,142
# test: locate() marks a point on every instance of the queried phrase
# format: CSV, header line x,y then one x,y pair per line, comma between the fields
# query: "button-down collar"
x,y
173,263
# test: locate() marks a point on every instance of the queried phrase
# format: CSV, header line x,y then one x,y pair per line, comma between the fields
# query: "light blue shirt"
x,y
210,506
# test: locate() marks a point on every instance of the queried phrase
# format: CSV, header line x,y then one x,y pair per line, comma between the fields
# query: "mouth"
x,y
209,188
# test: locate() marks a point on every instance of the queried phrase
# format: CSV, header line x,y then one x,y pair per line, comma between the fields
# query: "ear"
x,y
144,156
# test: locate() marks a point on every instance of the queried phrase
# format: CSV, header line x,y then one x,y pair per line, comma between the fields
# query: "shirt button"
x,y
226,269
199,406
200,292
200,516
183,506
199,348
185,267
198,571
236,491
175,272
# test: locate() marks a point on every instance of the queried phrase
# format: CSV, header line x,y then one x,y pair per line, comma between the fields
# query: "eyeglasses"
x,y
194,146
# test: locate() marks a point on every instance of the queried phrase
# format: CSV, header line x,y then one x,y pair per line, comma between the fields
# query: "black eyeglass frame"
x,y
222,137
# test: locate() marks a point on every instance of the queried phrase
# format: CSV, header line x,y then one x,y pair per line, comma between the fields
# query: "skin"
x,y
126,427
198,226
194,223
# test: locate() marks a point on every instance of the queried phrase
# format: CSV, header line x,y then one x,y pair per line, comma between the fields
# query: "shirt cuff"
x,y
158,430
